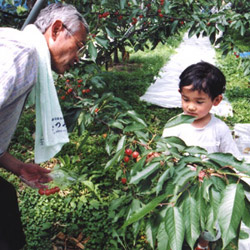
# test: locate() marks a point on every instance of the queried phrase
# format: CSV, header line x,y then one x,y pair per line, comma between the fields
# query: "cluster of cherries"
x,y
48,191
128,153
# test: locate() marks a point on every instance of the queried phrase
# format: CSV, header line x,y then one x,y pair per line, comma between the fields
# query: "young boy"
x,y
201,87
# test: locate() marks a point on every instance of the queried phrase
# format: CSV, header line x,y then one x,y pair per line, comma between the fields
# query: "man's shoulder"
x,y
14,39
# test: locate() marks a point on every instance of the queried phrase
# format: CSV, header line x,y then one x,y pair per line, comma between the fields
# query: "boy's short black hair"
x,y
204,77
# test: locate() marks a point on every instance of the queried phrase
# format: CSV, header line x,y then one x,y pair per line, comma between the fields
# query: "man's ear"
x,y
56,28
217,100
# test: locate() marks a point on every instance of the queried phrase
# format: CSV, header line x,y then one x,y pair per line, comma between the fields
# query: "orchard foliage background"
x,y
110,199
117,25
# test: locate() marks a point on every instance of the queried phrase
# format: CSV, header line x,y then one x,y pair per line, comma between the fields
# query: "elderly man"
x,y
64,32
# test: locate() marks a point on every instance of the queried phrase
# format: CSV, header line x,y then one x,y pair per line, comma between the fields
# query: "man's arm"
x,y
32,174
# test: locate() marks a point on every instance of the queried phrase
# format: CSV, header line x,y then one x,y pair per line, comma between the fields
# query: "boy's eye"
x,y
200,102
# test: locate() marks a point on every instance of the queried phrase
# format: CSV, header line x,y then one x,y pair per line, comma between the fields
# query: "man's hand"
x,y
32,174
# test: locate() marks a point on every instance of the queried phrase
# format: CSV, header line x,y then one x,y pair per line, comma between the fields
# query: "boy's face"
x,y
197,103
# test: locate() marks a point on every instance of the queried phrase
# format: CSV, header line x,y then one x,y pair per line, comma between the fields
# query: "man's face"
x,y
64,46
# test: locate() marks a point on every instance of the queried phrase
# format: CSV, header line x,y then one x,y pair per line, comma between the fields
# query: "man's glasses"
x,y
81,46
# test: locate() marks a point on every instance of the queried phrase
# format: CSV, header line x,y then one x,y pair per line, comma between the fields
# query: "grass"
x,y
77,210
237,89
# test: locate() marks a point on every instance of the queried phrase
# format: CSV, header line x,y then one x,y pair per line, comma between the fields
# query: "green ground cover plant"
x,y
97,187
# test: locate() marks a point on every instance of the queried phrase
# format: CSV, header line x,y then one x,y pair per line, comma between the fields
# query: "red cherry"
x,y
70,90
41,191
124,180
126,158
87,90
96,110
128,151
135,154
80,80
160,15
52,190
84,91
67,80
47,191
63,97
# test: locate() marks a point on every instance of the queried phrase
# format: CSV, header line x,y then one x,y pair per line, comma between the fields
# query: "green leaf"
x,y
46,226
207,183
92,51
226,159
116,124
230,212
138,166
179,119
201,206
246,214
142,212
174,222
196,150
148,170
135,206
21,10
175,142
162,237
102,42
212,37
215,198
135,116
173,26
133,127
213,212
109,143
192,222
165,176
183,176
218,183
110,33
89,184
242,30
150,232
111,162
121,143
122,3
